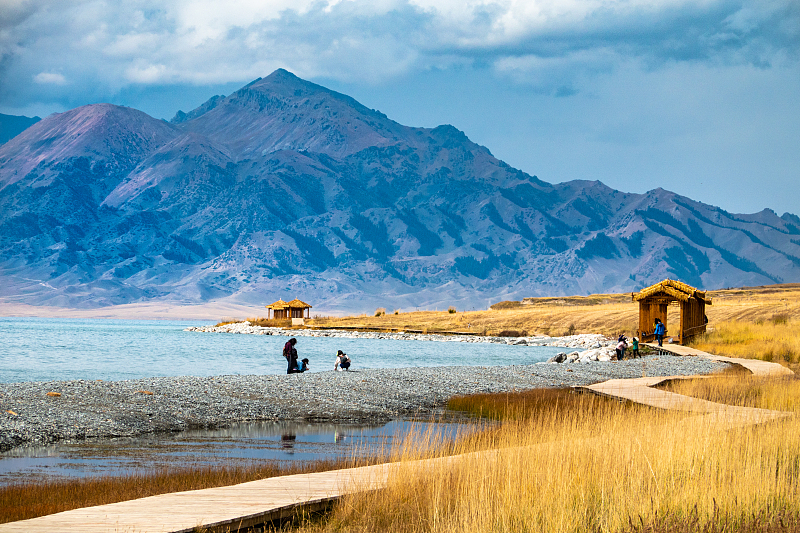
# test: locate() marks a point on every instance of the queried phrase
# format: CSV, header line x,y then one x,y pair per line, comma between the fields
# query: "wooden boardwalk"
x,y
250,504
758,368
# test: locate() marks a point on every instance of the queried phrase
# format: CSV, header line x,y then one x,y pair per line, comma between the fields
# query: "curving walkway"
x,y
758,368
640,390
256,502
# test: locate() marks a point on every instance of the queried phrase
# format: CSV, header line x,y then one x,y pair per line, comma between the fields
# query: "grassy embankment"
x,y
608,314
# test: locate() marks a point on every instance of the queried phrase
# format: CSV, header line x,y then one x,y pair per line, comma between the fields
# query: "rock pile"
x,y
597,353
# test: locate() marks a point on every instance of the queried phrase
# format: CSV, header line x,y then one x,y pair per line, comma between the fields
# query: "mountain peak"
x,y
284,112
96,131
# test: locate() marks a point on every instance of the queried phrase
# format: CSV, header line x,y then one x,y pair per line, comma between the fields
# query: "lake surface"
x,y
46,349
241,444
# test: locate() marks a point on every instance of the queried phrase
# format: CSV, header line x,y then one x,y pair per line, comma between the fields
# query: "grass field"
x,y
568,463
776,340
608,314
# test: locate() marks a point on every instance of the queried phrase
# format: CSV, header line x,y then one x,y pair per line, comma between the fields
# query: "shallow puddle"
x,y
242,443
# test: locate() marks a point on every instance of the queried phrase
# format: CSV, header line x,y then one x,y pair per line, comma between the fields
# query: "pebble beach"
x,y
37,413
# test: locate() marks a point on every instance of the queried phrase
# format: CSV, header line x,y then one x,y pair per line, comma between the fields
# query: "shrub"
x,y
270,322
451,310
511,333
380,311
782,318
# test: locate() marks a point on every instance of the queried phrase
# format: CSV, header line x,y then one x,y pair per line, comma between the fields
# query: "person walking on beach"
x,y
635,345
659,331
290,354
342,361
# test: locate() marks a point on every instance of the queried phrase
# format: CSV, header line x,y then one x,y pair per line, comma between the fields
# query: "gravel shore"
x,y
46,412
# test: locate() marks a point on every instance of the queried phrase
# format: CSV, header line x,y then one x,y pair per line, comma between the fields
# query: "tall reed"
x,y
609,468
779,394
25,499
776,340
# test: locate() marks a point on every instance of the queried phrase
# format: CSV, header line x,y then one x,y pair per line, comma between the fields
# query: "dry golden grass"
x,y
608,314
746,390
609,468
22,500
536,402
776,339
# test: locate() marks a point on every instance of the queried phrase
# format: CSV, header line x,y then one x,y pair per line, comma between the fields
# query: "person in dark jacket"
x,y
290,353
659,331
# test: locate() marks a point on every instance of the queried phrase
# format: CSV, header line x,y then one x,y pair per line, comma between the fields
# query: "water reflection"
x,y
241,443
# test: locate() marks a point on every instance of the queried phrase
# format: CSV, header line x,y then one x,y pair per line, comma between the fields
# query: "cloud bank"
x,y
52,50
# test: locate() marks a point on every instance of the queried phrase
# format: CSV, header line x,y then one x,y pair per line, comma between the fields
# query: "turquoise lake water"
x,y
46,349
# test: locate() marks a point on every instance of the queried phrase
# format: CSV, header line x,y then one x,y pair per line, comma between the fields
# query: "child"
x,y
635,352
303,366
342,362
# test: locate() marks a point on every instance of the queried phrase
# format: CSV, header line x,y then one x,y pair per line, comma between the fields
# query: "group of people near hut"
x,y
622,345
290,354
659,330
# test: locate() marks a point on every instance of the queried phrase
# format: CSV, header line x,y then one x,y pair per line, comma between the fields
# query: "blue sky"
x,y
700,97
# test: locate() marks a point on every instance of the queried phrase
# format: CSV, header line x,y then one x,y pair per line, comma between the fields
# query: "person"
x,y
659,331
290,353
635,345
303,366
621,348
342,362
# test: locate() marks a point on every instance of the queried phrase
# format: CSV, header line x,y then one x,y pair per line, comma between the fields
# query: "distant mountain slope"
x,y
285,188
12,125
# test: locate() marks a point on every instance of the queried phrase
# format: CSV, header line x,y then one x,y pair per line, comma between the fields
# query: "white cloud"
x,y
148,74
50,78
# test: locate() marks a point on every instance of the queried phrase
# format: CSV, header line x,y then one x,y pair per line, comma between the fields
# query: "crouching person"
x,y
342,362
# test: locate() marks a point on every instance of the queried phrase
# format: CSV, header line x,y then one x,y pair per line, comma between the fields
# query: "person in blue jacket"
x,y
659,331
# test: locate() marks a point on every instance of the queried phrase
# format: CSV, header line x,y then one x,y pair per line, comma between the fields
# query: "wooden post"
x,y
684,311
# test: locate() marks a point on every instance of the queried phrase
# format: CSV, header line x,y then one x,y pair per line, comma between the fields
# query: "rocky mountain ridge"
x,y
285,188
13,125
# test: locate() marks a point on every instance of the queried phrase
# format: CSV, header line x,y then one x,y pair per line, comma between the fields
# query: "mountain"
x,y
12,125
285,188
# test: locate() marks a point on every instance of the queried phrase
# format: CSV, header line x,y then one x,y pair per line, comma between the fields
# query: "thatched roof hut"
x,y
654,302
294,309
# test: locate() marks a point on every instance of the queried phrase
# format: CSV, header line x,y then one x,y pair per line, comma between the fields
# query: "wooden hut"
x,y
298,308
294,309
654,301
279,309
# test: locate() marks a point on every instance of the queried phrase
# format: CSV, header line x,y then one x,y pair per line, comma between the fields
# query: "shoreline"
x,y
583,341
80,409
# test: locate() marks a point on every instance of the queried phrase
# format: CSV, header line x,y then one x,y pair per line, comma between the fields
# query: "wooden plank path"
x,y
758,368
256,502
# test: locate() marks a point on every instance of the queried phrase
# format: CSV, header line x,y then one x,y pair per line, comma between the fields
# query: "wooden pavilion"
x,y
294,309
654,301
